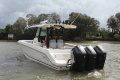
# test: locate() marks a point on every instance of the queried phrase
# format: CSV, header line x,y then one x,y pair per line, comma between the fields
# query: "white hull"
x,y
53,58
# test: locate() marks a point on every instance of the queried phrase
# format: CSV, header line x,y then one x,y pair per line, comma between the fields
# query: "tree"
x,y
118,22
9,29
2,30
112,23
85,24
104,33
2,33
42,17
19,27
32,19
53,17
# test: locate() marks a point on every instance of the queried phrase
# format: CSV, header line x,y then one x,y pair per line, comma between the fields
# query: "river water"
x,y
14,65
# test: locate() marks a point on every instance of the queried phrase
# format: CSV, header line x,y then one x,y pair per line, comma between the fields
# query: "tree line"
x,y
88,28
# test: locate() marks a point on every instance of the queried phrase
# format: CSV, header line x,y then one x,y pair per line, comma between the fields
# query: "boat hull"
x,y
40,55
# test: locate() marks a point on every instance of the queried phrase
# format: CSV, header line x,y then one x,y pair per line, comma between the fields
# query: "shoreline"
x,y
85,41
8,40
95,41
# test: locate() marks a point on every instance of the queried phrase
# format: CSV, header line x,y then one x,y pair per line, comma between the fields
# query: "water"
x,y
14,65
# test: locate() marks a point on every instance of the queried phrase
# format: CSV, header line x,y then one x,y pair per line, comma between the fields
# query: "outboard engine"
x,y
79,55
87,58
91,58
101,56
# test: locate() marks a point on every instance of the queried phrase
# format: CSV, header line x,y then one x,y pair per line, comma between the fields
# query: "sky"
x,y
101,10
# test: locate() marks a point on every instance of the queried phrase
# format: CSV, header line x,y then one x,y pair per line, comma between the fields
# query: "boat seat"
x,y
60,44
35,42
52,44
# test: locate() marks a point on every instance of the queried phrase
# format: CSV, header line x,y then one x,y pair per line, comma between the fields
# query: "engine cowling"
x,y
87,58
79,58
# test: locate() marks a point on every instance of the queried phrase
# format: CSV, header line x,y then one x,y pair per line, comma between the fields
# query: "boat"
x,y
51,50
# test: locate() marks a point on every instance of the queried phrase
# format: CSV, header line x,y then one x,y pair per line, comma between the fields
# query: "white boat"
x,y
56,56
56,53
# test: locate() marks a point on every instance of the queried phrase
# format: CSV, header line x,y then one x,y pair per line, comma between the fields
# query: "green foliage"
x,y
2,33
29,33
42,17
87,27
114,23
55,17
2,30
69,34
9,29
32,19
19,25
18,28
103,33
84,23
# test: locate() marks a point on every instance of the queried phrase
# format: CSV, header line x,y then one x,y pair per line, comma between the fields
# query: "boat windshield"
x,y
37,33
43,33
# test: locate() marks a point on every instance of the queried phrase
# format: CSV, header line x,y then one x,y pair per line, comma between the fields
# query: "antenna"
x,y
27,26
75,18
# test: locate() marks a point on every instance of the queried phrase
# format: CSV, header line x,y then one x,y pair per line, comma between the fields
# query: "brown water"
x,y
14,66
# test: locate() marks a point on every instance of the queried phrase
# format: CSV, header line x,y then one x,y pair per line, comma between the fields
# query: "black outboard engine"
x,y
91,58
79,55
101,56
